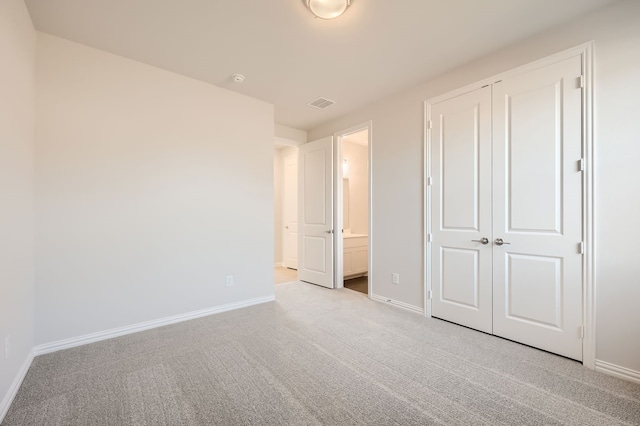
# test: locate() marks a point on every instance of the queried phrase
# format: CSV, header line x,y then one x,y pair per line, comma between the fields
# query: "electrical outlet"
x,y
395,278
229,280
6,347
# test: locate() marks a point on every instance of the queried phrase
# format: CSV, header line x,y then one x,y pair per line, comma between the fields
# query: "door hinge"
x,y
581,247
581,332
581,165
429,294
428,180
581,82
429,237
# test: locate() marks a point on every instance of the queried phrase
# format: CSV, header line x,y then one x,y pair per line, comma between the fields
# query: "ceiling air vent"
x,y
321,103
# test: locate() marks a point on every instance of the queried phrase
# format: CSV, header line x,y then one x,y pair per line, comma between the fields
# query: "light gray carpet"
x,y
317,356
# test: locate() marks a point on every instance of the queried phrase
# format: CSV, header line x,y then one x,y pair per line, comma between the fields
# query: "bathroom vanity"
x,y
356,255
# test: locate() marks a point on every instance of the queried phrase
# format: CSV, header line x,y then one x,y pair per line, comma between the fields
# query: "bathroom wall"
x,y
357,173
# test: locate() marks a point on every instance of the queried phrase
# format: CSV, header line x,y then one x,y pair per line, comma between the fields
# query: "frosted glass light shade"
x,y
328,9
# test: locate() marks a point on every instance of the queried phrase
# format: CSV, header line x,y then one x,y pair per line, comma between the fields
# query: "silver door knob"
x,y
483,240
499,242
329,231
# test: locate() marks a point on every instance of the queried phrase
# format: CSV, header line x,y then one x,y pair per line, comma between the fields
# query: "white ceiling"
x,y
377,48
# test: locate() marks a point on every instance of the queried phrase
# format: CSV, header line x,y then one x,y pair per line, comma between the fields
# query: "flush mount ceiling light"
x,y
327,9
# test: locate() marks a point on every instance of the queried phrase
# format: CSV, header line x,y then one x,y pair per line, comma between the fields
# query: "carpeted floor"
x,y
296,362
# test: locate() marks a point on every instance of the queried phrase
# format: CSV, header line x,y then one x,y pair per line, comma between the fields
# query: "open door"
x,y
315,212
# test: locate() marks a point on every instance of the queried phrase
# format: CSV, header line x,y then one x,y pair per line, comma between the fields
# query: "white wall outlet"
x,y
229,280
7,344
395,278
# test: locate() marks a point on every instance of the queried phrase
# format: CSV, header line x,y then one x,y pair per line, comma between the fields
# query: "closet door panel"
x,y
537,208
461,209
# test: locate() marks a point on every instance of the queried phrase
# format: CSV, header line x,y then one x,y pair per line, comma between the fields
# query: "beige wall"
x,y
358,175
17,116
151,188
397,170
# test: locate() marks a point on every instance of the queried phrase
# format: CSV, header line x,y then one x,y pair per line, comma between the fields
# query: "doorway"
x,y
328,250
354,150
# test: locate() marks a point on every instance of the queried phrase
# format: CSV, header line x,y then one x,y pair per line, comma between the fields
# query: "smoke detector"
x,y
237,78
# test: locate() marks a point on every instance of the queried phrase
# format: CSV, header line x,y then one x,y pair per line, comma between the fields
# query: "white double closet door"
x,y
506,208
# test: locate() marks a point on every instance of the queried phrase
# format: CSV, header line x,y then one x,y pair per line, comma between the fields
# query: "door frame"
x,y
338,204
585,51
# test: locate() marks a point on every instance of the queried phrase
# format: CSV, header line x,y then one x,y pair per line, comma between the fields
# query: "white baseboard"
x,y
617,371
278,265
402,305
13,389
134,328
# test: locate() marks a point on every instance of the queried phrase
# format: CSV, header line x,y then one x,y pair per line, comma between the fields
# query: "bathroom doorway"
x,y
353,249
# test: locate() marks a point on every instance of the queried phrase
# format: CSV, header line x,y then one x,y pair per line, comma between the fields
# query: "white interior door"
x,y
290,211
461,209
315,212
537,210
